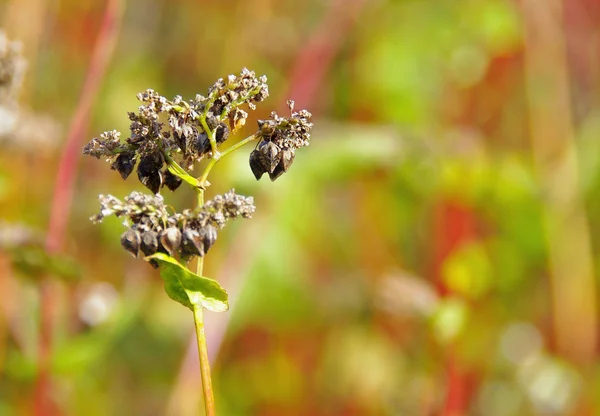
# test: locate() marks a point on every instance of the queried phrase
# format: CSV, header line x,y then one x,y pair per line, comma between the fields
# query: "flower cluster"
x,y
279,139
152,229
195,129
12,69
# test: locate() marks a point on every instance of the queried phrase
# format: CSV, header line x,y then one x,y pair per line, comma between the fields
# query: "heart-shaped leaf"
x,y
188,288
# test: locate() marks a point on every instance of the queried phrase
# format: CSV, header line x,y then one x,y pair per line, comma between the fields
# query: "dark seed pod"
x,y
271,155
191,244
276,173
124,164
256,164
130,240
149,172
217,108
221,133
170,239
201,144
208,234
287,158
149,244
171,181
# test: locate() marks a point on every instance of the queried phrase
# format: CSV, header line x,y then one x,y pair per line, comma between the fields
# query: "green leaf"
x,y
188,288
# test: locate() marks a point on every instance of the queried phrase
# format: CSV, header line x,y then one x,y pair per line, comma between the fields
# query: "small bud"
x,y
130,240
192,244
209,237
170,239
149,244
171,181
124,164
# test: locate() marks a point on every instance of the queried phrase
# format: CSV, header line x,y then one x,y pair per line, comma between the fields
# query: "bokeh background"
x,y
434,251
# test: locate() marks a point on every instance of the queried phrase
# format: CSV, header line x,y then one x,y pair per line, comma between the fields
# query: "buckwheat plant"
x,y
167,138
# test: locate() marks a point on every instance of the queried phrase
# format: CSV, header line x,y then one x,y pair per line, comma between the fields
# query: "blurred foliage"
x,y
400,268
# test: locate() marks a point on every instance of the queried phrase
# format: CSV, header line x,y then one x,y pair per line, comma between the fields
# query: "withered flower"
x,y
279,139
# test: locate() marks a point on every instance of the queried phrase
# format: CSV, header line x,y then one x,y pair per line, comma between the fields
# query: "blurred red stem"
x,y
315,59
455,225
63,191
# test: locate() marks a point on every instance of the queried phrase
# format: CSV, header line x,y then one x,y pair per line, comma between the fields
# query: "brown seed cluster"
x,y
151,228
279,139
166,138
191,127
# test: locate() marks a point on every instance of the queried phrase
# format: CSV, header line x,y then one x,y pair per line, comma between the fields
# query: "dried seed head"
x,y
103,146
171,181
286,134
131,240
149,244
170,239
124,164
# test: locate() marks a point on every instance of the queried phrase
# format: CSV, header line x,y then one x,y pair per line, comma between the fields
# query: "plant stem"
x,y
225,152
211,137
207,390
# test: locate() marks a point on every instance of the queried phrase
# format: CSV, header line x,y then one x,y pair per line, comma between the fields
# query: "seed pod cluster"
x,y
152,229
186,137
279,139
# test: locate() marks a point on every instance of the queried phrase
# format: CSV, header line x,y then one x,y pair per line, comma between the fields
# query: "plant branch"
x,y
214,161
207,389
211,137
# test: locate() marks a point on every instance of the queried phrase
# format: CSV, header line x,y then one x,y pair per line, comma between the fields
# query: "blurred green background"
x,y
434,251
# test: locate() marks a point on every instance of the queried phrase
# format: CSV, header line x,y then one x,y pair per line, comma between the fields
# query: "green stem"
x,y
207,390
211,137
214,161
